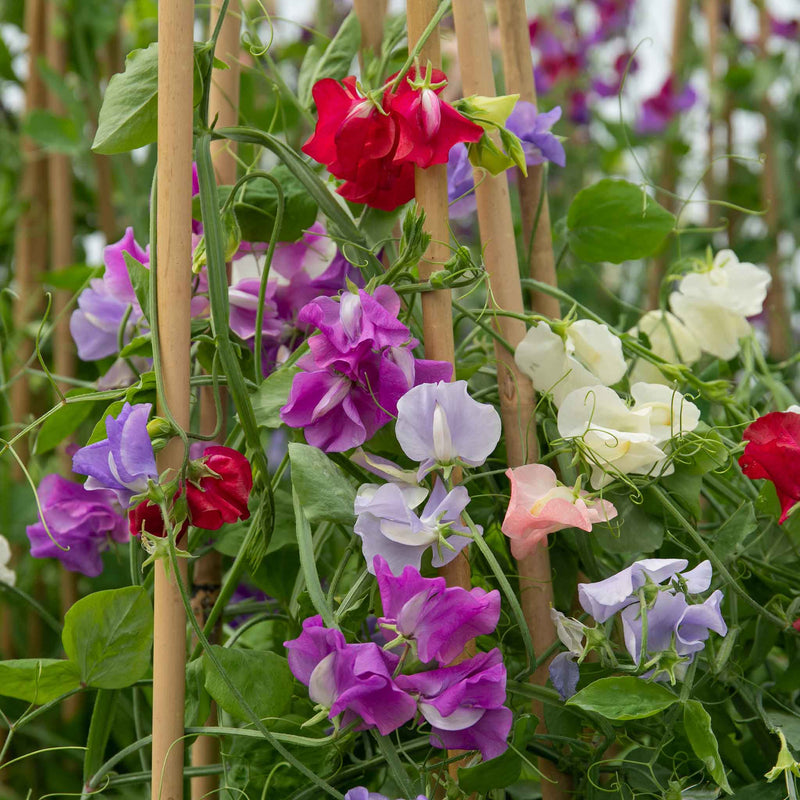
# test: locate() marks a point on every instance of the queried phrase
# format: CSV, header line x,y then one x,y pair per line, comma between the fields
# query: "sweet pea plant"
x,y
350,475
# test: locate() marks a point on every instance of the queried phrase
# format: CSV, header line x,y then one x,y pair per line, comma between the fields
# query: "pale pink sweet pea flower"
x,y
539,505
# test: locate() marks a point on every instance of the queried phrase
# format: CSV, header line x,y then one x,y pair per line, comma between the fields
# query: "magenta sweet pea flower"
x,y
440,620
539,506
660,109
82,524
354,680
124,462
464,704
439,424
390,527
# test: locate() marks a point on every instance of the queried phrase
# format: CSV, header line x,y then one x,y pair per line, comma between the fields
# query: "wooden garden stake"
x,y
517,398
61,256
371,14
431,194
174,258
207,576
515,46
778,322
669,166
712,14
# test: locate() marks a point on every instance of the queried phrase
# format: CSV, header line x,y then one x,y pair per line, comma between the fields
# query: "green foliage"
x,y
616,221
623,698
63,422
108,636
697,724
325,493
38,680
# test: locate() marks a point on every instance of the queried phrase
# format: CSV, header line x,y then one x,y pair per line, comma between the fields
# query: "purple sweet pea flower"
x,y
243,298
353,327
440,619
464,704
124,462
564,674
533,130
660,109
360,793
82,523
603,599
671,620
440,424
95,324
460,183
389,526
784,28
354,680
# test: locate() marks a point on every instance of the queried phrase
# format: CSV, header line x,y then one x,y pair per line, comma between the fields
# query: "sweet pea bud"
x,y
485,153
233,234
160,432
488,112
513,148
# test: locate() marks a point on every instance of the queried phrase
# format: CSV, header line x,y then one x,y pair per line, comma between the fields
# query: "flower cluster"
x,y
376,688
439,426
662,629
373,141
298,273
540,505
360,365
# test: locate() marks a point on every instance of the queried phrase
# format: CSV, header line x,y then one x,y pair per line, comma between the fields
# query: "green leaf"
x,y
271,396
108,636
52,132
685,486
633,530
324,493
623,698
129,115
198,702
140,280
616,221
105,707
257,207
37,680
71,278
63,422
334,62
741,524
263,678
697,724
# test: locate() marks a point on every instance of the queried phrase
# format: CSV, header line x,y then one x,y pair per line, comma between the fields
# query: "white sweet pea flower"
x,y
591,354
714,304
669,339
615,439
570,631
671,414
7,575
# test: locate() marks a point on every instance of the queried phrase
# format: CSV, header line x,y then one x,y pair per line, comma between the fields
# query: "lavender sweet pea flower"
x,y
124,462
460,183
440,619
102,307
464,704
533,130
389,526
243,298
82,525
360,793
440,424
671,620
660,109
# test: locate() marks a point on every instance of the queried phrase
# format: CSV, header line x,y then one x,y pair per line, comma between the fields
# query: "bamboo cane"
x,y
778,322
517,399
712,14
174,218
61,256
370,15
536,236
207,577
669,168
111,62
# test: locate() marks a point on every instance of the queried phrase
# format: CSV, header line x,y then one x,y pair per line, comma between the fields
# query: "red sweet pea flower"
x,y
773,452
220,488
430,125
148,515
